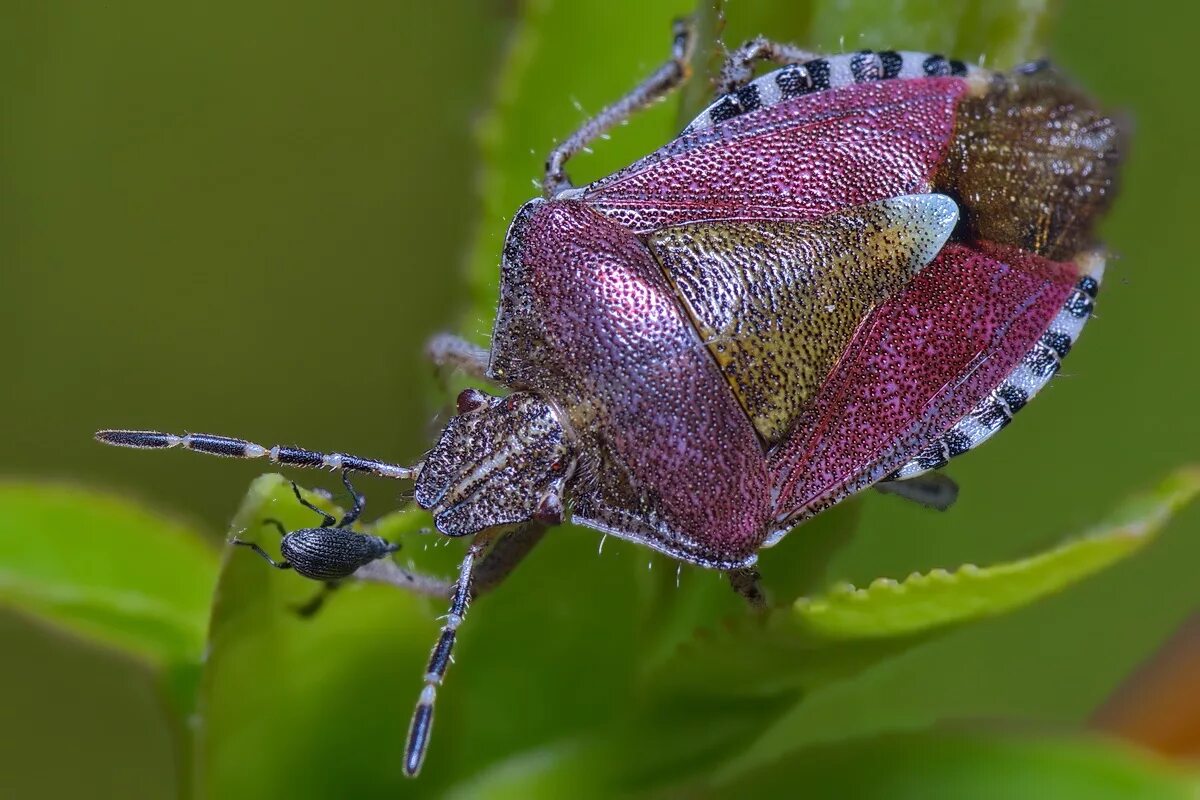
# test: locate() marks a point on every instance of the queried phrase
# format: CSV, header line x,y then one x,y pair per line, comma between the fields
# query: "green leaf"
x,y
924,601
116,575
878,694
928,766
725,686
957,765
293,707
550,772
106,570
292,691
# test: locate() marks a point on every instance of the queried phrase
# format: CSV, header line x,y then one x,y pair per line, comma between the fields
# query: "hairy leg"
x,y
739,64
439,659
666,79
447,351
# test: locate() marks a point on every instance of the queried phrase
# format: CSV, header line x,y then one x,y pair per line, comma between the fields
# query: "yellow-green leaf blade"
x,y
937,765
307,707
925,601
105,569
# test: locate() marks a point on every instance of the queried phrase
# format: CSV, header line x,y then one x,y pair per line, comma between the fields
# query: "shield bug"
x,y
842,274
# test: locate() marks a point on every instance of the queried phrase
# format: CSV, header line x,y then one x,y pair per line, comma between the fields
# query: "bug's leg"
x,y
439,660
489,572
745,581
310,607
229,447
932,490
739,64
261,552
356,509
447,351
505,555
387,571
663,81
326,520
278,525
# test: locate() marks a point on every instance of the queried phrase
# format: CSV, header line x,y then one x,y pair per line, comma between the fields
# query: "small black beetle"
x,y
328,553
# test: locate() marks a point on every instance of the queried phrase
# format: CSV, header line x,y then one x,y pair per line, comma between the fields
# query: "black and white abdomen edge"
x,y
1035,370
829,73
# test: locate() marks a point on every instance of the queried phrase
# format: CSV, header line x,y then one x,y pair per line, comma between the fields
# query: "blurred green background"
x,y
247,217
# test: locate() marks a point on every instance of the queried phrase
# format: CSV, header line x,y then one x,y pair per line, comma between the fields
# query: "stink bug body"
x,y
842,274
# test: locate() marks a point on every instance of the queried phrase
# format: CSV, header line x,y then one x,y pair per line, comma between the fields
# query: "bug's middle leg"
x,y
746,582
666,79
311,606
263,553
739,64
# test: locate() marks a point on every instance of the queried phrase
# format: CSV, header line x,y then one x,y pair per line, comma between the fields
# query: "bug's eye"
x,y
471,400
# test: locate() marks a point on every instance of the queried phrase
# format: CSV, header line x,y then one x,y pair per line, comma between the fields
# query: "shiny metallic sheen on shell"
x,y
776,302
672,313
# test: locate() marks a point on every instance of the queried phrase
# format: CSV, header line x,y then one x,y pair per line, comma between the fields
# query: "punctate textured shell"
x,y
776,302
588,320
673,311
798,160
920,363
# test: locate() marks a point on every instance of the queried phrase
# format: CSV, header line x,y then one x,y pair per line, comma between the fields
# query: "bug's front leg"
x,y
666,79
739,64
461,595
508,552
496,564
447,351
491,570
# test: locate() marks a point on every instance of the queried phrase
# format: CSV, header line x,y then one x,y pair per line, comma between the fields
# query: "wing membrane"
x,y
777,302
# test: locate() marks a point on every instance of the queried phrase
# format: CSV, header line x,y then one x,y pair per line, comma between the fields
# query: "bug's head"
x,y
500,461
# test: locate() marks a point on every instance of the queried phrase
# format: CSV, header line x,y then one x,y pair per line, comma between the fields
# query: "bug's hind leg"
x,y
932,490
746,582
739,64
666,79
311,606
